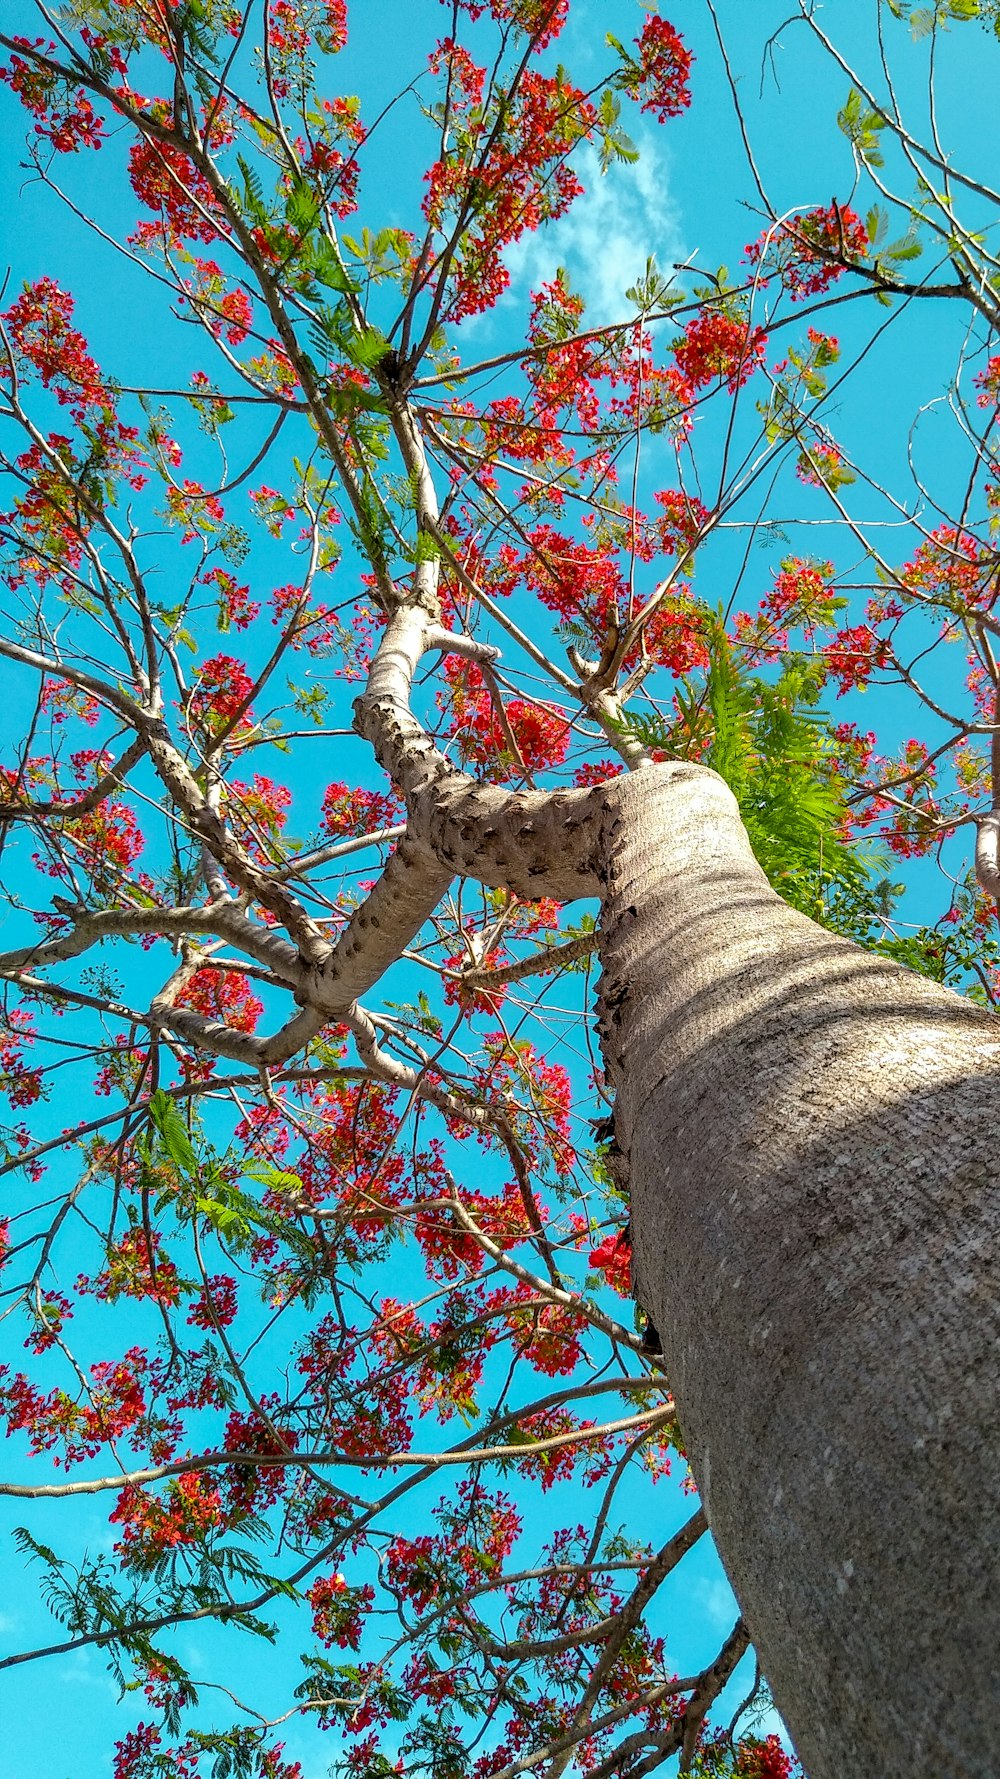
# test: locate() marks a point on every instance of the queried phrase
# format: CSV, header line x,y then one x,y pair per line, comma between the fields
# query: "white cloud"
x,y
715,1600
607,236
82,1667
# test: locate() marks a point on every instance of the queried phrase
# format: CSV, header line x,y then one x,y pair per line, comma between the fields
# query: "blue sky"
x,y
689,202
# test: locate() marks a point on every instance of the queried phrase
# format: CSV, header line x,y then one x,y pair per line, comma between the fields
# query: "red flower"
x,y
811,251
224,686
541,735
136,1268
358,812
63,113
716,345
854,655
338,1610
39,323
665,65
614,1259
225,995
763,1760
131,1752
168,183
216,1305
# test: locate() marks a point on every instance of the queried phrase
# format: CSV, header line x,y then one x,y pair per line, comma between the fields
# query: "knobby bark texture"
x,y
808,1133
810,1137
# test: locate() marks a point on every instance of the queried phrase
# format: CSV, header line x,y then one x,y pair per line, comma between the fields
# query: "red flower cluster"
x,y
480,1530
576,580
225,995
952,566
674,636
136,1268
854,655
762,1760
60,700
117,1406
216,1304
716,345
481,999
181,198
614,1259
63,113
339,1611
541,734
597,772
516,165
541,20
558,1465
21,1084
821,465
250,1488
189,505
40,326
802,593
133,1751
224,685
665,65
988,383
191,1507
347,811
257,811
685,520
108,838
811,251
854,749
224,312
562,376
235,604
332,27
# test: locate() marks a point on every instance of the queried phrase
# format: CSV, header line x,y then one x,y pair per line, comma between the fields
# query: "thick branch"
x,y
533,843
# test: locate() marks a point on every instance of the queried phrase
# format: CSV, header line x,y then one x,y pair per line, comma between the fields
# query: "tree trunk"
x,y
810,1135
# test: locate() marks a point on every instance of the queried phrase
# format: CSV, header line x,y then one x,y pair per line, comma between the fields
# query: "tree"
x,y
495,552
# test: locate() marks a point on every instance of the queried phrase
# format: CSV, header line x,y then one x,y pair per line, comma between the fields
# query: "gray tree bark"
x,y
810,1137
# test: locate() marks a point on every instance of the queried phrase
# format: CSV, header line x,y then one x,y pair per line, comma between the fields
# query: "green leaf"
x,y
276,1179
253,192
302,207
863,127
774,748
173,1132
368,347
653,293
906,248
877,225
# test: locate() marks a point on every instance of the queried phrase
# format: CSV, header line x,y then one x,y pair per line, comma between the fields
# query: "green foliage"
x,y
336,1687
863,127
775,750
615,144
653,294
173,1132
957,952
201,1187
924,20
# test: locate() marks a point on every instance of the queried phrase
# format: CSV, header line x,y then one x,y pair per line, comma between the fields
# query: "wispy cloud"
x,y
608,235
715,1600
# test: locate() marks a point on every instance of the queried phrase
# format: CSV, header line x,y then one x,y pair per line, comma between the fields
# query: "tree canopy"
x,y
351,448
